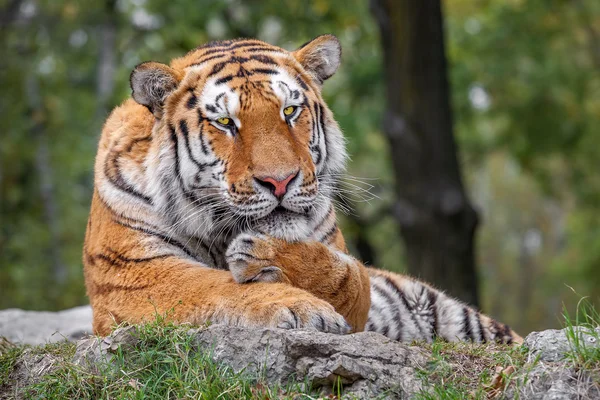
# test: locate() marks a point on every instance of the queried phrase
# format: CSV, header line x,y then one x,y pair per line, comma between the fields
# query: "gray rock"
x,y
367,364
551,373
39,327
553,345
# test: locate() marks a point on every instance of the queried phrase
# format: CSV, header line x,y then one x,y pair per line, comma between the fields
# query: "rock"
x,y
553,345
39,327
367,364
551,373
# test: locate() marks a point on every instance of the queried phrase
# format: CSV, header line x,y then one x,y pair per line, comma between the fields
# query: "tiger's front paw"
x,y
251,258
307,313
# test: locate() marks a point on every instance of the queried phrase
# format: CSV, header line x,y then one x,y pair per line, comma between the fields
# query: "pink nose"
x,y
276,186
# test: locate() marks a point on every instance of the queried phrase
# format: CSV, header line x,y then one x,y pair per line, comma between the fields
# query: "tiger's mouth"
x,y
281,211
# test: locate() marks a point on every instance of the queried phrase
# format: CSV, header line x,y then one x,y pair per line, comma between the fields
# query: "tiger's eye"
x,y
289,110
224,121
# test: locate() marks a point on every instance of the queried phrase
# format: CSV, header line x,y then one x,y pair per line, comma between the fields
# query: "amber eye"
x,y
224,121
289,110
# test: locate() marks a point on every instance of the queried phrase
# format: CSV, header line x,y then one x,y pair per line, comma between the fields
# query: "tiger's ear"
x,y
151,83
320,57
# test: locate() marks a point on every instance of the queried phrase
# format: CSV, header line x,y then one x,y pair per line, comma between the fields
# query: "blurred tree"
x,y
436,218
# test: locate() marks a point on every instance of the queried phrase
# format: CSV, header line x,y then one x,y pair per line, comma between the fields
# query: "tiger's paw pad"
x,y
250,258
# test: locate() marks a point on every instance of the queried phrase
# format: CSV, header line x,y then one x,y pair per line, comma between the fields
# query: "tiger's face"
x,y
246,139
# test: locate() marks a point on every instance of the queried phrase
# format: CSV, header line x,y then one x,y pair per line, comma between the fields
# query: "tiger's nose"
x,y
277,186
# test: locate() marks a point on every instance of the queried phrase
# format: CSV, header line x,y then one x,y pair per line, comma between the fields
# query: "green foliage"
x,y
527,107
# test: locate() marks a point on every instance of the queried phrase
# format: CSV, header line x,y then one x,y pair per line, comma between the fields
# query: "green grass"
x,y
8,359
162,364
466,370
583,340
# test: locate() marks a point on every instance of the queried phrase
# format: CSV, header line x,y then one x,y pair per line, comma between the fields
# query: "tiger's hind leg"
x,y
405,309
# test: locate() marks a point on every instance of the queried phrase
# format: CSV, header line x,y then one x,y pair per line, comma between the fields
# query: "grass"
x,y
474,371
162,364
469,371
583,336
8,359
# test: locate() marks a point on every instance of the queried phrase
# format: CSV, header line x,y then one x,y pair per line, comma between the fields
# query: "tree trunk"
x,y
436,219
46,182
107,62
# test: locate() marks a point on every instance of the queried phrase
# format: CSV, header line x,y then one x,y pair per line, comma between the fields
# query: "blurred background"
x,y
479,143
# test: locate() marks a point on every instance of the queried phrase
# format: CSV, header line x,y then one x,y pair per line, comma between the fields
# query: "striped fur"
x,y
184,218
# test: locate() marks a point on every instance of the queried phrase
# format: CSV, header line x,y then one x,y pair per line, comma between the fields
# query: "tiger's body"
x,y
212,199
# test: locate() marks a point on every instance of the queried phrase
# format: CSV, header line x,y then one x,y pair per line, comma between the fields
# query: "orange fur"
x,y
131,274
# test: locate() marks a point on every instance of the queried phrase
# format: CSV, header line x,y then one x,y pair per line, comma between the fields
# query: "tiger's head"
x,y
244,138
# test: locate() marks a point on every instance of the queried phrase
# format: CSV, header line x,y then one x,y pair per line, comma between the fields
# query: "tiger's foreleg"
x,y
189,293
406,309
132,275
324,271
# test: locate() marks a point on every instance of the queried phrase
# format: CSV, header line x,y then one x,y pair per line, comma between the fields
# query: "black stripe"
x,y
202,60
164,238
324,219
328,234
296,319
217,68
103,288
241,60
404,301
397,314
123,258
201,166
480,327
508,334
321,322
317,130
184,128
201,120
386,330
263,59
267,71
260,49
117,179
229,47
188,195
117,214
242,253
224,79
192,102
109,260
467,324
432,297
301,82
323,132
136,141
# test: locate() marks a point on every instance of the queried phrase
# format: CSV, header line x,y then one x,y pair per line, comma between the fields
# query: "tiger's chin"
x,y
285,224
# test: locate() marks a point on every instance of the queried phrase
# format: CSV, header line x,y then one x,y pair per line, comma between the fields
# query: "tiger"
x,y
213,203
